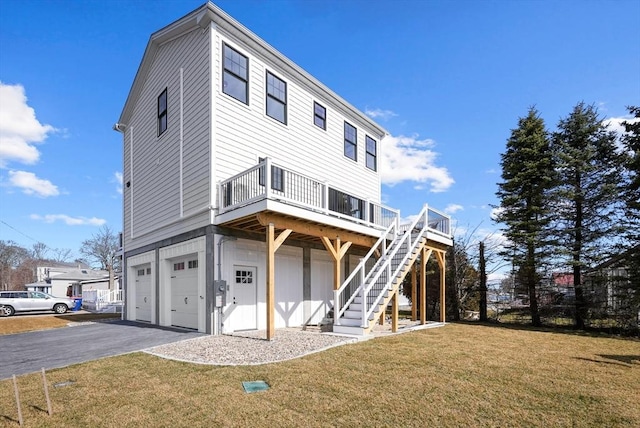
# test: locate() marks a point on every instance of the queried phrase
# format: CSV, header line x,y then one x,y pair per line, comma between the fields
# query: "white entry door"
x,y
184,292
244,298
143,293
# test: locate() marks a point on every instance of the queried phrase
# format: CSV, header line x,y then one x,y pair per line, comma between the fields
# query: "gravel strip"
x,y
249,348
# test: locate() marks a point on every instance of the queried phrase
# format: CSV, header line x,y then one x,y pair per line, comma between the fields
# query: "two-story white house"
x,y
252,191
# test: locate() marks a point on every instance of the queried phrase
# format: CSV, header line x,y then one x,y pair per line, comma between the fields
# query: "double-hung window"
x,y
276,98
319,116
162,112
350,141
235,78
372,153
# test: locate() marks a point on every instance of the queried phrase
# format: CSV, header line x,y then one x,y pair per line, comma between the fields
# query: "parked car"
x,y
24,301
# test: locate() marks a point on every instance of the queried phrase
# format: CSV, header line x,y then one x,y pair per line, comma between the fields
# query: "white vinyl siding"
x,y
243,133
156,180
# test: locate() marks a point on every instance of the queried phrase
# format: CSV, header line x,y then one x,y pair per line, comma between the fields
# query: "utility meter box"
x,y
220,288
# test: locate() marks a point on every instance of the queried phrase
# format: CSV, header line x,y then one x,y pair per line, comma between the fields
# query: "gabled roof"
x,y
80,274
202,17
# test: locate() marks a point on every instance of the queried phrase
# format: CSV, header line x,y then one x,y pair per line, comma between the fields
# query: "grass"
x,y
460,375
21,324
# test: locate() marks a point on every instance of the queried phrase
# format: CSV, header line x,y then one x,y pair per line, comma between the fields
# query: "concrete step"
x,y
343,329
352,322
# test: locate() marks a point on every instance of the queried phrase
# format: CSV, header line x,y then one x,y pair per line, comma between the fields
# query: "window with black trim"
x,y
277,177
178,266
235,76
319,116
276,98
350,141
244,277
372,153
193,264
162,112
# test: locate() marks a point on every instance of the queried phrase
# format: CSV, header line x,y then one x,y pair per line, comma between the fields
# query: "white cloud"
x,y
19,128
117,176
70,221
32,185
495,212
380,114
410,159
453,208
491,171
615,123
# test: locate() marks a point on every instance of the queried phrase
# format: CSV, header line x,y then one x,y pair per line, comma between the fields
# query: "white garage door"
x,y
143,293
184,292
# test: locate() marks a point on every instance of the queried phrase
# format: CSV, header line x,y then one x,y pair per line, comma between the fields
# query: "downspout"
x,y
221,241
121,128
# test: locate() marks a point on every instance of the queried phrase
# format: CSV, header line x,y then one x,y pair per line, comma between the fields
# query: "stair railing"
x,y
349,289
420,223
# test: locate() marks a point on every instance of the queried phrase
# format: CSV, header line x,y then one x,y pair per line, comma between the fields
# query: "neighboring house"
x,y
252,191
612,286
55,278
73,278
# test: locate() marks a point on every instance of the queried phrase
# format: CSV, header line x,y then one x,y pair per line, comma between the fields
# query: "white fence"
x,y
98,300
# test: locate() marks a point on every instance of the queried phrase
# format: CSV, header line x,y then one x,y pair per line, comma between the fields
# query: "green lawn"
x,y
460,375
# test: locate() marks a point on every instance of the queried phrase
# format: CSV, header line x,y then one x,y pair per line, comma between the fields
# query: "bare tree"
x,y
62,254
39,251
102,248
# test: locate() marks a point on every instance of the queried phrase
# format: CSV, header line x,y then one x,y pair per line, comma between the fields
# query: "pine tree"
x,y
587,202
630,191
630,187
528,175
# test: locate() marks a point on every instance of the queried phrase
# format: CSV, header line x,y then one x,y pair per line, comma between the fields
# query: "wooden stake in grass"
x,y
15,388
46,392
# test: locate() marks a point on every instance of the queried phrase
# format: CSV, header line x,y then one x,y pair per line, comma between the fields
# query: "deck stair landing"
x,y
365,294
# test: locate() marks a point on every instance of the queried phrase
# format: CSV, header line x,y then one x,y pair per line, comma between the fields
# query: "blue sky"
x,y
447,79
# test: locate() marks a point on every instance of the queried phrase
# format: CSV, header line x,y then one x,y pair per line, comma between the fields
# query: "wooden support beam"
x,y
273,243
337,251
442,262
414,292
314,229
394,313
382,315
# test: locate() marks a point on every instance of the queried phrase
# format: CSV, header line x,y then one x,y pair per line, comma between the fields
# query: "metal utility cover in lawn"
x,y
255,386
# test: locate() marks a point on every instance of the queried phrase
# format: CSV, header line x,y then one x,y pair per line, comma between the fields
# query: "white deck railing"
x,y
271,181
370,279
98,299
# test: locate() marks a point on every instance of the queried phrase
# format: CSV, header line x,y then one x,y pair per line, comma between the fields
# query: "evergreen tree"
x,y
528,175
630,190
587,202
630,186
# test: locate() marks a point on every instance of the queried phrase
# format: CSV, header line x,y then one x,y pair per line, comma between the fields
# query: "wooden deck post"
x,y
423,286
273,244
394,313
414,292
443,267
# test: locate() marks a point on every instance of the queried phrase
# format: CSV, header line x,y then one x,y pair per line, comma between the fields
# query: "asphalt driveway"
x,y
24,353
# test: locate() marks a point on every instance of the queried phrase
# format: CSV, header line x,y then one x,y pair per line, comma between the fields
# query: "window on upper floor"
x,y
350,141
277,177
235,78
372,153
319,116
162,112
276,98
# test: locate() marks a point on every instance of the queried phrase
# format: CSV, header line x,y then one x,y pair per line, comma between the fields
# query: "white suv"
x,y
24,301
